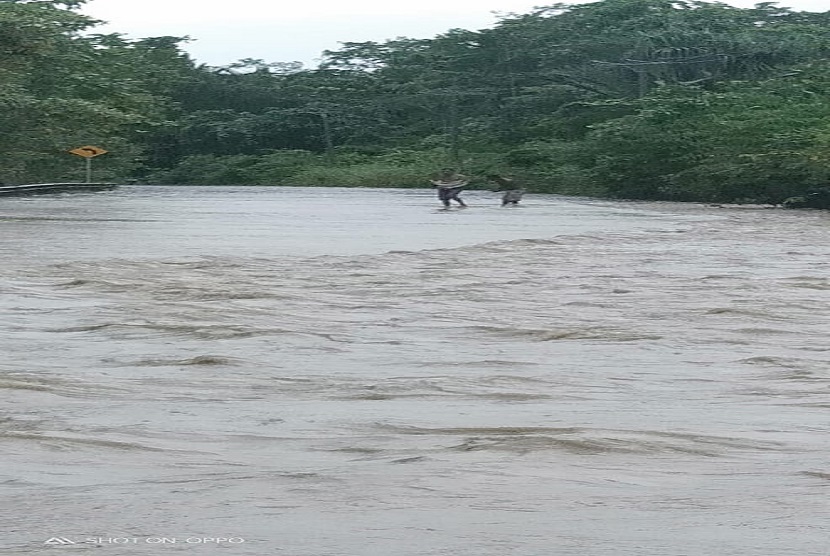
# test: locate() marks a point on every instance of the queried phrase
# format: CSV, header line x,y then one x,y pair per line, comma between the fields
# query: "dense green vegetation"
x,y
641,99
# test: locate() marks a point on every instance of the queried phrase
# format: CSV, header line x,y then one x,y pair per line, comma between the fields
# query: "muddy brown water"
x,y
327,372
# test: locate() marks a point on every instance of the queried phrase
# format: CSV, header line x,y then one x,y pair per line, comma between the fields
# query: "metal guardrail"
x,y
42,188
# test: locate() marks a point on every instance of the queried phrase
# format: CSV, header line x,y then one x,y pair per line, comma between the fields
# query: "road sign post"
x,y
89,152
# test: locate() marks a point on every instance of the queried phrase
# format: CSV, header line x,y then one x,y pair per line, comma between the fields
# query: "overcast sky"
x,y
293,30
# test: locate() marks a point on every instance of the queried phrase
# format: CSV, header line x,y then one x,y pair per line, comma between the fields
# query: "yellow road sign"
x,y
89,151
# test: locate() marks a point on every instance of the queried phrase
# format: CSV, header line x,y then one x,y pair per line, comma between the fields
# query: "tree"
x,y
63,87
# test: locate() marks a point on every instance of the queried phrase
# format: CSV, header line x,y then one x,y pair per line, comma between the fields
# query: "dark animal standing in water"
x,y
818,198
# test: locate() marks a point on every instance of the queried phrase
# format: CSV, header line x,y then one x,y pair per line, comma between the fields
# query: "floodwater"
x,y
345,372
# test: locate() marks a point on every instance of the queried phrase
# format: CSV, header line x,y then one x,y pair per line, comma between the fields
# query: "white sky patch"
x,y
285,31
192,11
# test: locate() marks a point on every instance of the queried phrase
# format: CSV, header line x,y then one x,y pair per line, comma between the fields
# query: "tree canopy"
x,y
646,99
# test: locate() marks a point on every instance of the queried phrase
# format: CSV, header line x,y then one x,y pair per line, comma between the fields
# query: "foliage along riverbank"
x,y
638,99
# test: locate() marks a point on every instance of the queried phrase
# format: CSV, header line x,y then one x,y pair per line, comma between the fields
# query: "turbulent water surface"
x,y
257,371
